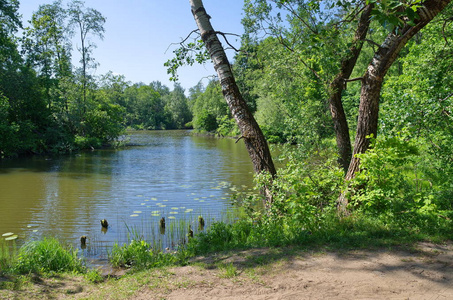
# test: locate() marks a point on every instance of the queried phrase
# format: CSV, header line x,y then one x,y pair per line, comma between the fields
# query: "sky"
x,y
139,33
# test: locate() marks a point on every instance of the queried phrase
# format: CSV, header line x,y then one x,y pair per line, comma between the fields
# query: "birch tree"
x,y
88,21
251,133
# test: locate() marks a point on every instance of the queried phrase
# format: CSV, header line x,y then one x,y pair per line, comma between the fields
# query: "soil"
x,y
422,273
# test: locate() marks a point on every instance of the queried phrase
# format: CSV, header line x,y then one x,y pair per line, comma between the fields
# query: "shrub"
x,y
48,255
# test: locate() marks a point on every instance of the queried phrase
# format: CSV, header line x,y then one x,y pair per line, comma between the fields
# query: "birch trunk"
x,y
251,133
367,123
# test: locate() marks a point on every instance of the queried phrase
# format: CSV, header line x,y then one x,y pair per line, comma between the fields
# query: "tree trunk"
x,y
251,133
337,86
367,123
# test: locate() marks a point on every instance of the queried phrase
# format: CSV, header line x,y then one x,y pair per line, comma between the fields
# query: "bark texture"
x,y
383,59
252,135
339,84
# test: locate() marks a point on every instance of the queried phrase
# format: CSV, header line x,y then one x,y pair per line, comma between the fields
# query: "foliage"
x,y
177,108
139,254
209,107
206,121
94,276
397,187
46,256
188,54
48,105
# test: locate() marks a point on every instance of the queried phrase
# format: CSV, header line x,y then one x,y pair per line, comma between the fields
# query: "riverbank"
x,y
423,271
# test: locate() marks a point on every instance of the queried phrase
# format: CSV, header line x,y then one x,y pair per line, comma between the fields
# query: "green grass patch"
x,y
139,254
227,270
47,256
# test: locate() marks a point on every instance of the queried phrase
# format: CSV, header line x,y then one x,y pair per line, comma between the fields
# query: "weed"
x,y
228,270
46,256
94,276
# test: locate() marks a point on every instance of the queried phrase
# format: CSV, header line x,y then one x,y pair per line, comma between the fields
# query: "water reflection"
x,y
169,174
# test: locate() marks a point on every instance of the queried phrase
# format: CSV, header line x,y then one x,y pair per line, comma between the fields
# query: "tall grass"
x,y
8,254
45,256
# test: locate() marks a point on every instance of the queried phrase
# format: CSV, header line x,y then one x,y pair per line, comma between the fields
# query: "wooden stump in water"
x,y
83,242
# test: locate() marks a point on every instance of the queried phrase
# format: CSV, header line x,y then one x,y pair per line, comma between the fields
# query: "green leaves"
x,y
186,54
394,14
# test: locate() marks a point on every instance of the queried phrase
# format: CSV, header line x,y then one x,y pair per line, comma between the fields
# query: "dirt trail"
x,y
425,274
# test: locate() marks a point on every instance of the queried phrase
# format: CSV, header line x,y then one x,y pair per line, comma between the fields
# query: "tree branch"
x,y
353,79
226,40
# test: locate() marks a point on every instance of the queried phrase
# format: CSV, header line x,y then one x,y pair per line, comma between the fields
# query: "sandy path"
x,y
425,274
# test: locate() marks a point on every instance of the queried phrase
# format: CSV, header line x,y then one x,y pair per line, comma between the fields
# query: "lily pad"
x,y
171,217
137,211
175,208
134,215
13,237
173,213
7,234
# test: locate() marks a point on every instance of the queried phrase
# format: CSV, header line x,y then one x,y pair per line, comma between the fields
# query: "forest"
x,y
353,98
358,94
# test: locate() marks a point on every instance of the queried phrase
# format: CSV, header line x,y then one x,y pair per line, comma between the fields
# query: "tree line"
x,y
50,105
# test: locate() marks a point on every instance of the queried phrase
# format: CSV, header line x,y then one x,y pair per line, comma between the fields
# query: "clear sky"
x,y
138,34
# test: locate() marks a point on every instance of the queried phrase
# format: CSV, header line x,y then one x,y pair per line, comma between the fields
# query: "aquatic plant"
x,y
139,254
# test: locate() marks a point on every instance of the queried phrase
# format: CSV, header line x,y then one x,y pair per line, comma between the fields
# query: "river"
x,y
170,174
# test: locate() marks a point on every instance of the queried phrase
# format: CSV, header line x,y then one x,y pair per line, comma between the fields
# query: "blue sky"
x,y
139,33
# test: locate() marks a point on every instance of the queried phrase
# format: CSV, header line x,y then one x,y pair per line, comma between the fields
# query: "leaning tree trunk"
x,y
251,133
367,123
337,86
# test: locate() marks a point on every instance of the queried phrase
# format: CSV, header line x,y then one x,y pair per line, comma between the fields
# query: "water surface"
x,y
169,174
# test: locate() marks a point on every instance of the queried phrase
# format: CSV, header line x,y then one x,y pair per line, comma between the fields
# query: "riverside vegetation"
x,y
402,194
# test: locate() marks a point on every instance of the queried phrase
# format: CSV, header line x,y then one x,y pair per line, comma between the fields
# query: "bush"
x,y
46,256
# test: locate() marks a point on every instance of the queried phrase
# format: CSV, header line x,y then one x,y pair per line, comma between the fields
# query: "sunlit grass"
x,y
45,256
8,253
227,270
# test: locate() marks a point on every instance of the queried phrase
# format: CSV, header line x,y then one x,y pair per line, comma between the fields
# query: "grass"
x,y
7,255
138,255
46,256
227,270
281,237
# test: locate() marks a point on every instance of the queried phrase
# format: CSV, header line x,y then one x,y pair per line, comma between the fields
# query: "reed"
x,y
8,254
